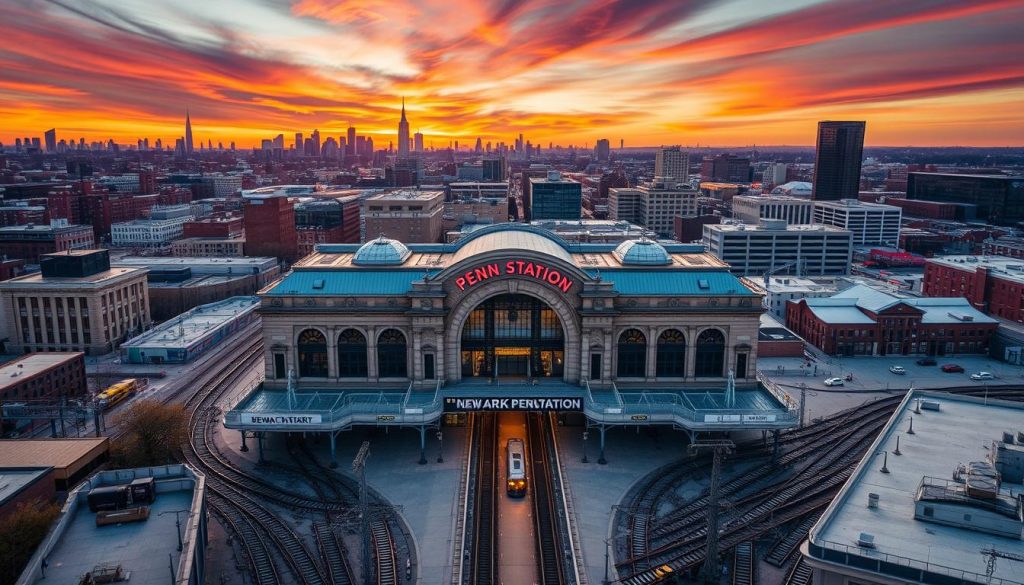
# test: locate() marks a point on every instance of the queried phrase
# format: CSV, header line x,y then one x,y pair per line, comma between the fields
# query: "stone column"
x,y
332,352
371,348
652,352
691,353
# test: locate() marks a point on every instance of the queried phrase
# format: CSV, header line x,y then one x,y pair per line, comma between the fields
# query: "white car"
x,y
897,370
982,376
833,381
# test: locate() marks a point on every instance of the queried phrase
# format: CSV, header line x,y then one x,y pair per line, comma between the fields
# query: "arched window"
x,y
351,354
710,354
632,354
391,354
312,348
671,354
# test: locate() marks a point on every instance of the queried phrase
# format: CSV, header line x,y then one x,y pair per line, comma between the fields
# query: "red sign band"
x,y
514,267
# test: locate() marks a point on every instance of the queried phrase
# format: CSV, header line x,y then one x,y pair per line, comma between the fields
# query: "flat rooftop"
x,y
193,325
405,195
244,264
857,204
962,430
26,366
142,549
32,228
15,479
791,228
1000,266
64,455
37,280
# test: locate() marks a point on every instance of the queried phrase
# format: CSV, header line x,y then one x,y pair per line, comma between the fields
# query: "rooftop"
x,y
961,430
140,548
1006,177
1001,266
57,453
856,204
33,228
15,479
802,227
36,279
26,366
193,325
406,195
847,303
198,264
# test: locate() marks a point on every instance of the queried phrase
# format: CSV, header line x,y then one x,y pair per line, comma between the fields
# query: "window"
x,y
351,354
391,354
428,366
632,354
671,354
710,354
595,366
312,347
279,367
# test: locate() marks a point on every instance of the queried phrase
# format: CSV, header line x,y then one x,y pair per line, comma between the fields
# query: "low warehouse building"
x,y
184,338
71,459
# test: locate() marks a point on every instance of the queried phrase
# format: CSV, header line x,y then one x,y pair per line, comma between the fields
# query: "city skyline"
x,y
709,73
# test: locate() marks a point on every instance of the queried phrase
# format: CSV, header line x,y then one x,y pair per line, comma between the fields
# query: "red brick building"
x,y
43,376
270,227
215,227
864,321
992,284
9,268
31,241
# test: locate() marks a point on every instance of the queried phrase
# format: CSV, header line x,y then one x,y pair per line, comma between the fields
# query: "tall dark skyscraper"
x,y
837,160
188,133
350,144
51,140
403,134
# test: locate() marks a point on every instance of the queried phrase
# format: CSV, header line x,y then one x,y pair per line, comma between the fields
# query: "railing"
x,y
672,407
776,390
897,566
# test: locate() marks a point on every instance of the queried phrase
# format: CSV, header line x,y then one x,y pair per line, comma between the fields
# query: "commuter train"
x,y
117,392
516,468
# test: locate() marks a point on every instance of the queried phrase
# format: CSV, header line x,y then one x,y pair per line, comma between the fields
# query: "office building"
x,y
998,199
210,247
624,204
51,140
725,168
31,241
602,150
946,511
837,160
192,333
462,212
76,303
772,175
494,169
418,142
993,284
779,290
471,190
672,163
595,231
325,221
810,250
188,145
416,215
691,228
871,223
554,197
661,201
403,134
43,376
862,320
164,225
752,209
270,226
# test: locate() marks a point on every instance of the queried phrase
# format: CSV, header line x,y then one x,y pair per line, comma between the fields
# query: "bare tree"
x,y
153,433
20,533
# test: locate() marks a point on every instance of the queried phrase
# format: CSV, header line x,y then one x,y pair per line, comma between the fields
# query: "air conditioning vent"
x,y
866,540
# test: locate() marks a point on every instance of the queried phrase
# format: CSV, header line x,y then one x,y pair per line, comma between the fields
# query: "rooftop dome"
x,y
642,252
381,252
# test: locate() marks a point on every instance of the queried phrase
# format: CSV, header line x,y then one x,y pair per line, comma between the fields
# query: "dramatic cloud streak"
x,y
648,71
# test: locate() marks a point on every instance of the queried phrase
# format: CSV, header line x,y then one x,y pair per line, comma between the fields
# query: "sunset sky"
x,y
936,72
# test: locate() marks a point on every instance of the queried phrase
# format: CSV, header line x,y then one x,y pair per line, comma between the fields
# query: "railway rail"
x,y
549,556
484,564
793,489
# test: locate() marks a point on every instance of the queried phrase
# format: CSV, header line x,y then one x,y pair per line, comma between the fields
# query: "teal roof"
x,y
642,253
381,252
347,282
673,282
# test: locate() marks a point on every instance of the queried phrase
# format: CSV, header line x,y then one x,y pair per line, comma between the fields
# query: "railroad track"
x,y
484,566
781,551
549,555
332,554
800,574
263,570
743,566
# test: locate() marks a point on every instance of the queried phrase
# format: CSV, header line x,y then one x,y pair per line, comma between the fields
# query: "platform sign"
x,y
273,419
758,418
739,418
512,404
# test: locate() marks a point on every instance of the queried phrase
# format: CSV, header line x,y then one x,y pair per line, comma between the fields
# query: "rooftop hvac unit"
x,y
930,405
872,500
866,540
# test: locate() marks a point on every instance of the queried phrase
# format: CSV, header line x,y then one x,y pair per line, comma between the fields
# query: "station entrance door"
x,y
513,336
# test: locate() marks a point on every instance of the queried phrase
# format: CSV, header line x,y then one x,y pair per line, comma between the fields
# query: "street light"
x,y
177,522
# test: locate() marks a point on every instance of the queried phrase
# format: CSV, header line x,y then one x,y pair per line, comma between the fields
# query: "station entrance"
x,y
513,336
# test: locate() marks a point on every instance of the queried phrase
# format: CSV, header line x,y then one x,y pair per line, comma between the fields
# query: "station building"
x,y
629,333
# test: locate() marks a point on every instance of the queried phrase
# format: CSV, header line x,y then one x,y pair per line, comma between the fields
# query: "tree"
x,y
20,534
153,433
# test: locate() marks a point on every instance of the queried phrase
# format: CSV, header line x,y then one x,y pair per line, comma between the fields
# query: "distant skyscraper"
x,y
51,140
350,144
602,150
315,143
672,162
418,142
837,160
298,143
403,134
479,146
188,133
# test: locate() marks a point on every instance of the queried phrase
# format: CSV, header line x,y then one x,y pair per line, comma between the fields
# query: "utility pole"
x,y
359,468
993,554
719,447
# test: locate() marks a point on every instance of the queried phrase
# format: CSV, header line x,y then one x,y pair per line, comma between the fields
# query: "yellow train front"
x,y
516,484
117,392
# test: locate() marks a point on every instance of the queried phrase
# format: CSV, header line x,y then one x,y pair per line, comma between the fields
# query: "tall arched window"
x,y
312,349
671,354
710,354
351,354
632,354
391,354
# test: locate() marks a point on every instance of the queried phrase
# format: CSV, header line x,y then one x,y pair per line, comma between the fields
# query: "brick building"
x,y
214,227
32,241
861,320
43,376
993,284
413,216
270,227
327,221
